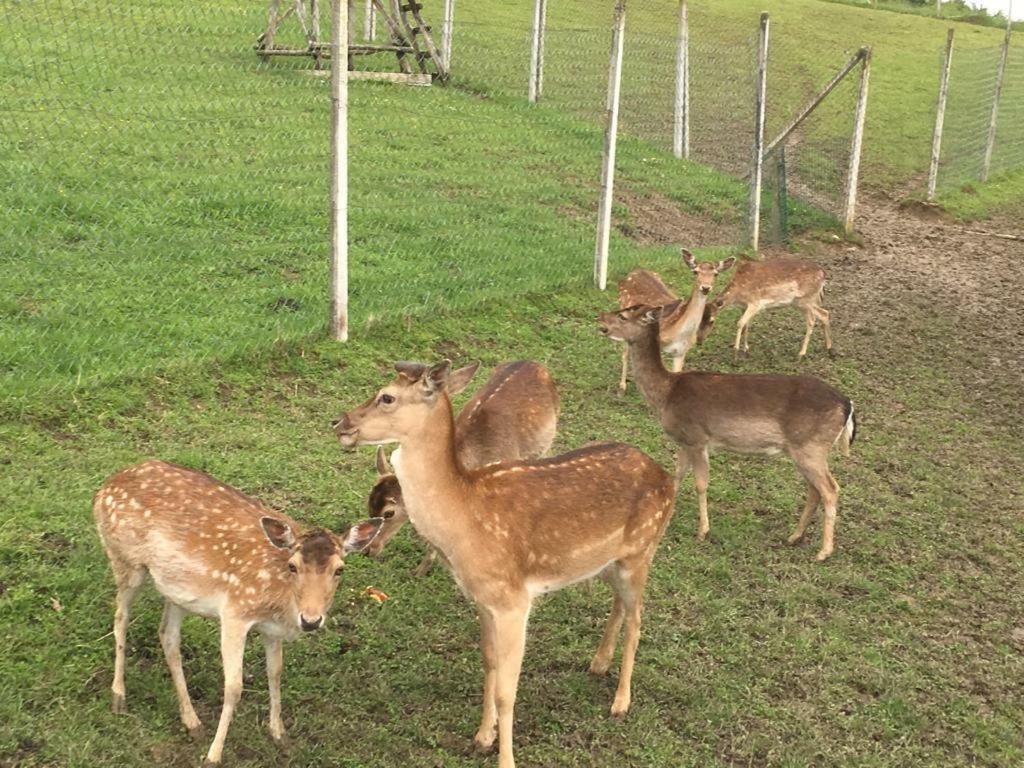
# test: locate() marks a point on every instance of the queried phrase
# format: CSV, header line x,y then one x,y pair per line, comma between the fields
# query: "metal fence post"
x,y
446,33
339,169
940,116
853,175
604,215
370,21
760,96
990,142
681,126
540,13
782,195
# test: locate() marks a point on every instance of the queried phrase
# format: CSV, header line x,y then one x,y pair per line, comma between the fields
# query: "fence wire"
x,y
164,189
972,89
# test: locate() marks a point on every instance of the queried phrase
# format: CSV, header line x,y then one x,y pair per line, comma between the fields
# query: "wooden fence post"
x,y
940,116
339,170
540,13
604,215
990,142
446,33
681,132
760,96
370,21
853,174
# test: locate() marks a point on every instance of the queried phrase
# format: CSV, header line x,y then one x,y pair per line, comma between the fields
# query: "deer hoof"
x,y
196,732
702,535
599,667
619,709
823,555
483,746
208,763
794,538
118,706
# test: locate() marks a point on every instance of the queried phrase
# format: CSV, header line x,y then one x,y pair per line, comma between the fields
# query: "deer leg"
x,y
128,582
232,648
682,467
815,469
813,497
631,587
170,640
484,739
826,325
275,664
625,368
701,475
741,328
603,657
426,563
809,316
509,644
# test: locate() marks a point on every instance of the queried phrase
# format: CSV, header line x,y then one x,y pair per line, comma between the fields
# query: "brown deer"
x,y
515,530
799,415
679,327
760,285
213,551
513,416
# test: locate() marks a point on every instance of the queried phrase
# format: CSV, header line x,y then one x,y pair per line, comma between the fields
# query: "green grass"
x,y
1002,194
957,10
163,237
899,651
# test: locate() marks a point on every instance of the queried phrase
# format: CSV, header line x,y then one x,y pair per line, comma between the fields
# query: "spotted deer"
x,y
213,551
682,320
515,530
513,416
800,416
760,285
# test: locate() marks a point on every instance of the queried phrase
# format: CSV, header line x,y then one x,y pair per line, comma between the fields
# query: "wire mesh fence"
x,y
973,78
164,188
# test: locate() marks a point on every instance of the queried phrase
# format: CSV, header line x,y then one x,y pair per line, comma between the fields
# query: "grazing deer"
x,y
799,415
515,530
678,331
760,285
213,551
513,416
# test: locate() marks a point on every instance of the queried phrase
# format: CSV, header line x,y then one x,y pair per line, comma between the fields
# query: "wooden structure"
x,y
418,60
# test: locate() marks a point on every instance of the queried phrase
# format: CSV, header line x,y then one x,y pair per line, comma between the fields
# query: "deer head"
x,y
398,410
629,324
705,272
316,562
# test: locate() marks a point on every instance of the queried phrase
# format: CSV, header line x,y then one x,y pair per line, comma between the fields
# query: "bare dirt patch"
x,y
655,219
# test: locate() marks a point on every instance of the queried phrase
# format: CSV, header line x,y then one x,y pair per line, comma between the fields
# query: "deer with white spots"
x,y
761,285
513,416
213,551
515,530
682,320
768,414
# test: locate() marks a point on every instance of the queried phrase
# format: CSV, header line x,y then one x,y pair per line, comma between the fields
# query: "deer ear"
x,y
650,315
360,535
460,379
725,264
383,468
689,259
278,532
435,378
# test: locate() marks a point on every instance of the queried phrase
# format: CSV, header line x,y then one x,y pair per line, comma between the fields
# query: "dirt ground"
x,y
915,264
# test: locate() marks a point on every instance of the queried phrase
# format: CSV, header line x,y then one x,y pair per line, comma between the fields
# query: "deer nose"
x,y
705,289
309,626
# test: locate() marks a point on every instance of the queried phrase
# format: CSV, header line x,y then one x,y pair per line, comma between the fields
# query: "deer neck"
x,y
653,381
694,311
432,478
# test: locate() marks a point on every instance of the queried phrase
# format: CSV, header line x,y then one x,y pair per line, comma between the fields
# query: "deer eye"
x,y
388,514
338,570
387,399
293,567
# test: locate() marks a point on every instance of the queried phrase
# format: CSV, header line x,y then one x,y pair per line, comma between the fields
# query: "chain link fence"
x,y
164,189
973,78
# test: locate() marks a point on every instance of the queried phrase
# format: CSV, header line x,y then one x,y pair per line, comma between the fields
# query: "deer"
x,y
213,551
682,319
513,416
760,285
513,531
801,416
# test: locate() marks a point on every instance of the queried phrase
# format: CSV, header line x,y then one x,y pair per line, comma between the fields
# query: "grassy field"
x,y
163,239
